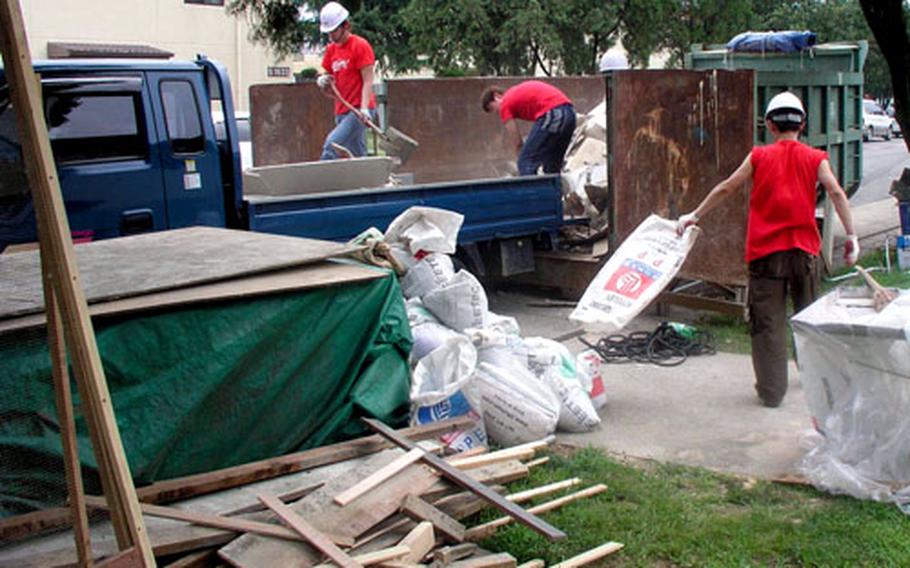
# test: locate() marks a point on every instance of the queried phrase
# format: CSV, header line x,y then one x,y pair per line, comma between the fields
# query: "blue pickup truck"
x,y
137,150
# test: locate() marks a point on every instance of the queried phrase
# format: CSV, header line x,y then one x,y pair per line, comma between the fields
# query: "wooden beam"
x,y
537,462
378,477
465,481
199,559
420,540
309,533
286,498
419,510
56,244
528,494
129,558
590,556
501,560
377,556
449,554
206,520
483,531
193,485
536,563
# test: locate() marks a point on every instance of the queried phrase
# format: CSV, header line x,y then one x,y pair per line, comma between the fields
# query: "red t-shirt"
x,y
530,100
782,204
344,63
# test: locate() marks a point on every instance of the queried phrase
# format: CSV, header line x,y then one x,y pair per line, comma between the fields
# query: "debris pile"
x,y
584,175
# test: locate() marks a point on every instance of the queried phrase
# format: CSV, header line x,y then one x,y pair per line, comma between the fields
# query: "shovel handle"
x,y
356,111
876,287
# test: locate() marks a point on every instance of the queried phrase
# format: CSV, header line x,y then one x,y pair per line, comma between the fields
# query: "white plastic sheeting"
x,y
854,365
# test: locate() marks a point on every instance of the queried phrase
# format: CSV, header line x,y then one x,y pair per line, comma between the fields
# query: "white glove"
x,y
323,81
851,250
365,111
685,221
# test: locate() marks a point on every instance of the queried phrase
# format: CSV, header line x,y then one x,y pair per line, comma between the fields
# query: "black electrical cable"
x,y
664,346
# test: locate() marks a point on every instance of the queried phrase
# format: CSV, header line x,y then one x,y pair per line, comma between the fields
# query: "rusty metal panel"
x,y
289,123
457,139
673,135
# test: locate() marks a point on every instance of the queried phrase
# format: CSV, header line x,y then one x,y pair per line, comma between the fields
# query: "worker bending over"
x,y
554,122
348,62
782,239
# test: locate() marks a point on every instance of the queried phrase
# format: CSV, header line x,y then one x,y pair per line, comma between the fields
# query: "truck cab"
x,y
135,148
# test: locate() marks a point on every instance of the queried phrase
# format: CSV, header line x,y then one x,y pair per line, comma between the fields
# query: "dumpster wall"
x,y
829,80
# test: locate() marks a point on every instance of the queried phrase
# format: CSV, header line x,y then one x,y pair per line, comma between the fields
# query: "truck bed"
x,y
493,208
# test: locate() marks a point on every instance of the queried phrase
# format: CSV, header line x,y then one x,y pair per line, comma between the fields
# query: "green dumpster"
x,y
829,80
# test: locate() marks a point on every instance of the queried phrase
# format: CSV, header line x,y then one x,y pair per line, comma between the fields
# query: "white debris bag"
x,y
443,388
418,313
554,365
427,337
460,303
588,366
426,229
637,272
517,408
431,272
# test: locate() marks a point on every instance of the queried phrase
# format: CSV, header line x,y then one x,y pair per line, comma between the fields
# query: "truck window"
x,y
12,173
184,126
87,127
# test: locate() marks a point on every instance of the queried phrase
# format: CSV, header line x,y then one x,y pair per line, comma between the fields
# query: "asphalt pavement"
x,y
704,412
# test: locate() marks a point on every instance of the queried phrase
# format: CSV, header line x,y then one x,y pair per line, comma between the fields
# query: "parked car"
x,y
244,137
875,121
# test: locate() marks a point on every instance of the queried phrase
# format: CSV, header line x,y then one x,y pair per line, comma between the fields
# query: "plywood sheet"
x,y
674,134
154,262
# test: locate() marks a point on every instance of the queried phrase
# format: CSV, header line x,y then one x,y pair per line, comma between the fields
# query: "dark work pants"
x,y
771,279
548,141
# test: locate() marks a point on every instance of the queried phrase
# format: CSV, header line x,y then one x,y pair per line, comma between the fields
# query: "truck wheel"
x,y
888,134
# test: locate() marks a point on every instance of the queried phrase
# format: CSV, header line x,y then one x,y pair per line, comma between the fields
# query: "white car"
x,y
875,121
244,138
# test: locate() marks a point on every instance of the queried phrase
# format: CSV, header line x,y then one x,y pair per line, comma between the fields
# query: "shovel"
x,y
394,142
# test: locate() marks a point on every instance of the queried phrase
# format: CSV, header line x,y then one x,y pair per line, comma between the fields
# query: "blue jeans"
x,y
348,132
547,142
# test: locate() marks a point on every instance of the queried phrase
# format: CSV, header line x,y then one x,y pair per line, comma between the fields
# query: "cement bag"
x,y
554,365
460,303
501,324
499,349
431,272
427,337
443,388
588,365
517,408
418,313
637,272
426,228
403,255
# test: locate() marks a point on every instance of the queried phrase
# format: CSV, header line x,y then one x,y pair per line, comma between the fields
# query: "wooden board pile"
x,y
357,503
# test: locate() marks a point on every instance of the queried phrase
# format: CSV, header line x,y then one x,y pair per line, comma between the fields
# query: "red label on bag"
x,y
628,282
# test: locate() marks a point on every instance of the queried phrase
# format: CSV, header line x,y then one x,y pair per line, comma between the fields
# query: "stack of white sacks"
x,y
467,360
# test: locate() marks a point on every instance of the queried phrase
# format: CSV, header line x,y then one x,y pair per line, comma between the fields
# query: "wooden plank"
x,y
501,560
494,457
200,559
323,274
449,554
589,556
529,494
421,540
63,399
378,477
377,556
467,482
193,485
308,532
537,462
215,521
504,472
285,498
129,558
57,246
485,530
164,260
536,563
420,510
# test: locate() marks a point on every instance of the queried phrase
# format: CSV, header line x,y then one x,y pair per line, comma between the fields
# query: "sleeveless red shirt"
x,y
782,204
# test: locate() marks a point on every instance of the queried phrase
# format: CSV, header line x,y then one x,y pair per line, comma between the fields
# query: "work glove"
x,y
851,250
685,221
323,81
365,111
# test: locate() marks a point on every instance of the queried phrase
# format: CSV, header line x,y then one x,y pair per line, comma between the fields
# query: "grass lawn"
x,y
732,335
670,515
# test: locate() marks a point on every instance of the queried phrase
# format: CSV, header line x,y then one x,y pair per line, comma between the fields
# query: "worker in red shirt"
x,y
782,239
553,116
348,62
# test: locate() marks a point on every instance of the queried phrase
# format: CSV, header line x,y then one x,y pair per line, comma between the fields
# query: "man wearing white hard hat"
x,y
782,238
348,62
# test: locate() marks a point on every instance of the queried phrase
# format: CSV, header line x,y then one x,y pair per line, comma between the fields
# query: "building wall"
x,y
173,25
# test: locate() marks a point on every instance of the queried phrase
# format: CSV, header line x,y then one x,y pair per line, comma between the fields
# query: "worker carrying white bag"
x,y
642,266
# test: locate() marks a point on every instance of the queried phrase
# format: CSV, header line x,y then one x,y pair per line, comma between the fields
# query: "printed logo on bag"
x,y
631,279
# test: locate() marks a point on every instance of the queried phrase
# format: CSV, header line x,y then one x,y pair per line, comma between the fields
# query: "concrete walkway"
x,y
704,412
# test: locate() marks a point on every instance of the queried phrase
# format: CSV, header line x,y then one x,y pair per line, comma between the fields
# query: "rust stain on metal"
x,y
674,135
289,122
457,139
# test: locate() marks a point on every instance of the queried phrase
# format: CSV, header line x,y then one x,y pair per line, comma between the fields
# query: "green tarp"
x,y
205,387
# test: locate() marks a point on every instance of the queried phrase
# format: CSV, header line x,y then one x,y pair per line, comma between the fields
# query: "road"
x,y
883,162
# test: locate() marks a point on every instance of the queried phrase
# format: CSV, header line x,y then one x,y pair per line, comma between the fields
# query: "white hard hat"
x,y
613,60
785,101
331,16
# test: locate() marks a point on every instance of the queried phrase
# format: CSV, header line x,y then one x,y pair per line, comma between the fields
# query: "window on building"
x,y
205,2
86,127
184,126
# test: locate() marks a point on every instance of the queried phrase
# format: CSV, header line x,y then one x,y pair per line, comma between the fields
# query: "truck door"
x,y
190,162
106,159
